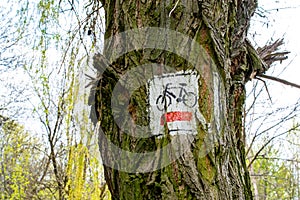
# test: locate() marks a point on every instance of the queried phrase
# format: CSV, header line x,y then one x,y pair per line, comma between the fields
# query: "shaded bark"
x,y
220,27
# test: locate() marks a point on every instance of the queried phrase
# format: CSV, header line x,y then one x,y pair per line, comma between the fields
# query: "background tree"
x,y
21,163
270,118
11,60
62,166
271,175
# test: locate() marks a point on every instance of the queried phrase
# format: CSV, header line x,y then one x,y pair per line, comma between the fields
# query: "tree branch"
x,y
268,142
279,80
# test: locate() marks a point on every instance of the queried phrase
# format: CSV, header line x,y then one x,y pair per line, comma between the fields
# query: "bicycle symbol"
x,y
165,99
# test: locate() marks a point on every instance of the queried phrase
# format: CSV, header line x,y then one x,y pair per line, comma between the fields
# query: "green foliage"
x,y
17,153
273,177
84,180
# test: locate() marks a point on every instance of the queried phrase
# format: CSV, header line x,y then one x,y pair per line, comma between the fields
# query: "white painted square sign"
x,y
173,102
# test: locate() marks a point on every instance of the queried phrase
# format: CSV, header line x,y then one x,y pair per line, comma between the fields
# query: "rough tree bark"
x,y
220,27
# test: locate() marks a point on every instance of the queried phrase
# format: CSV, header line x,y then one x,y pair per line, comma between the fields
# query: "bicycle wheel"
x,y
162,102
189,99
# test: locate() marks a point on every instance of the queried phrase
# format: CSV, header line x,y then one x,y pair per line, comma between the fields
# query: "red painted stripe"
x,y
175,116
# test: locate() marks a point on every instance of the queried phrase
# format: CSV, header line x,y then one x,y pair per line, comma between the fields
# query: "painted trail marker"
x,y
173,102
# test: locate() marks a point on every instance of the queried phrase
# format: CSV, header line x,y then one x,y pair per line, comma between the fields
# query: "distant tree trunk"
x,y
220,27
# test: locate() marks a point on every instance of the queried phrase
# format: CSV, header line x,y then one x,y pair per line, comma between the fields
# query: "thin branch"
x,y
279,80
287,117
278,158
268,142
265,87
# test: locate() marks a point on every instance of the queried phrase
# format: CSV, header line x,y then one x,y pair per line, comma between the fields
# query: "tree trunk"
x,y
198,47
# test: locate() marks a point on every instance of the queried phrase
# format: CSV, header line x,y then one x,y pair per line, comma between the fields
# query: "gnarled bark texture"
x,y
220,27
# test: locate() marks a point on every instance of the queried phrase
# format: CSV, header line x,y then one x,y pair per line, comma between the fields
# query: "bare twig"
x,y
265,87
268,142
279,80
269,53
